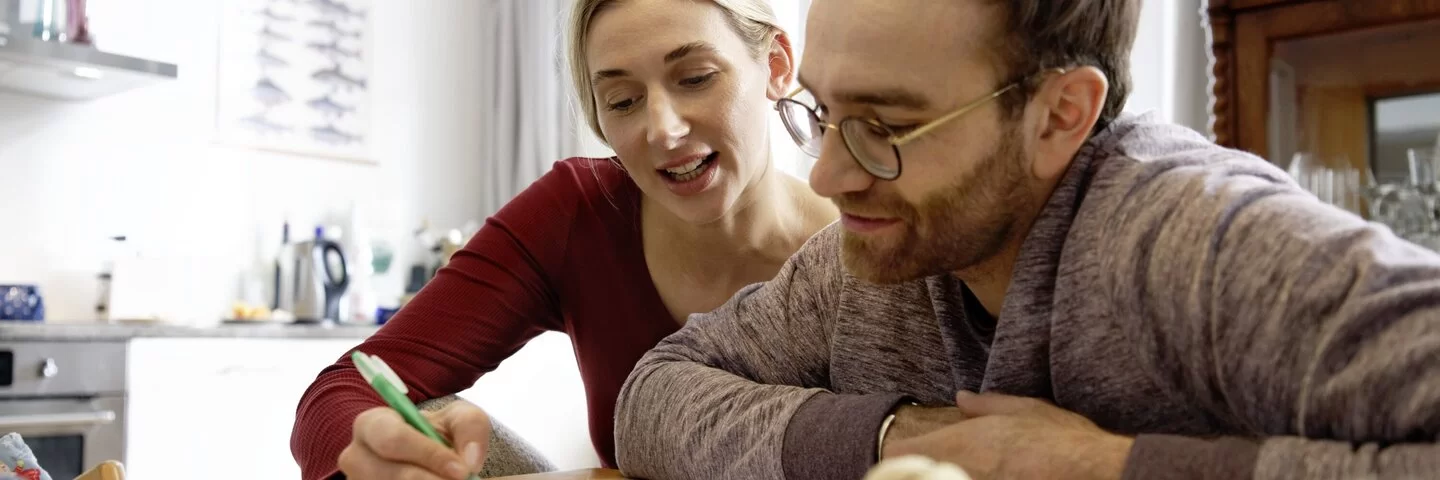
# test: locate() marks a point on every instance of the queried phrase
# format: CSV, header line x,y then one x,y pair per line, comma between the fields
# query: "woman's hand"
x,y
383,446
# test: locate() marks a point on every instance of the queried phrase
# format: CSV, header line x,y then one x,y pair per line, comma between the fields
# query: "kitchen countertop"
x,y
70,332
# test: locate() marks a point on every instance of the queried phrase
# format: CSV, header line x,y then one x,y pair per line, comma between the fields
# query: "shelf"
x,y
70,71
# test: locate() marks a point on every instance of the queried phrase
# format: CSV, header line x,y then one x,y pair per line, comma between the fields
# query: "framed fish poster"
x,y
294,77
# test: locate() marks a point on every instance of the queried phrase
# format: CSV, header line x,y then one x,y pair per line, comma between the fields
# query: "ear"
x,y
781,61
1070,104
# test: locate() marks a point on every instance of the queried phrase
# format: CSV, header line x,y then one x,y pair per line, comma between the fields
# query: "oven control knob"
x,y
49,369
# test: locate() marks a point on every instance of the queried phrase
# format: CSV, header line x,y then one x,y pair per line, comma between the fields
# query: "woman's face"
x,y
683,102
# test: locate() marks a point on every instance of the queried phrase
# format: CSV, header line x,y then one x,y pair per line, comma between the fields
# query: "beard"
x,y
957,227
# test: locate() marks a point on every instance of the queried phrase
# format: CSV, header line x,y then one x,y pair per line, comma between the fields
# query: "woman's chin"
x,y
703,201
711,207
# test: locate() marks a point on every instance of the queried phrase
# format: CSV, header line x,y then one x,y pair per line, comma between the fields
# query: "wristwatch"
x,y
885,428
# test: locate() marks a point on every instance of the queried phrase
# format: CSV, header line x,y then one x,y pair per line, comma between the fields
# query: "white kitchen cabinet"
x,y
222,408
218,408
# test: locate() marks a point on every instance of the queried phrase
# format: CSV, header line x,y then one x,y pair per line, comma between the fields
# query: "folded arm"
x,y
490,299
1292,320
740,392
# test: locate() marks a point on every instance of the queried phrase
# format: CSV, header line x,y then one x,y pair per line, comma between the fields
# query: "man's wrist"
x,y
880,442
1113,454
885,425
834,435
912,420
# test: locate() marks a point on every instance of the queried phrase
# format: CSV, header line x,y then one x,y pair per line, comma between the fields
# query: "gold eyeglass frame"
x,y
895,141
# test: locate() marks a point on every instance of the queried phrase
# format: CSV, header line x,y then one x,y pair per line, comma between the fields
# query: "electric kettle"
x,y
320,279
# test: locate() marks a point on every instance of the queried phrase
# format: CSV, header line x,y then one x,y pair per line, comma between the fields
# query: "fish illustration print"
x,y
338,79
336,9
267,59
333,28
268,33
263,125
328,106
333,49
329,134
268,93
270,14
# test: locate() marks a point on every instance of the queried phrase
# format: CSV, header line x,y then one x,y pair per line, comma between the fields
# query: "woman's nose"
x,y
667,126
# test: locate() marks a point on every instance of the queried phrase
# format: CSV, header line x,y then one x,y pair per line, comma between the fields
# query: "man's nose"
x,y
836,172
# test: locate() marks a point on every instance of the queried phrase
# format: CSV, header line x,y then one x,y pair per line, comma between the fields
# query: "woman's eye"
x,y
698,80
621,105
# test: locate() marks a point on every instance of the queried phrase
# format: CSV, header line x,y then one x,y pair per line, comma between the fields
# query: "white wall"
x,y
142,164
1169,64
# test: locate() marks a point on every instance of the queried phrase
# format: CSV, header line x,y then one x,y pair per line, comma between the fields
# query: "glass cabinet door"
x,y
1355,110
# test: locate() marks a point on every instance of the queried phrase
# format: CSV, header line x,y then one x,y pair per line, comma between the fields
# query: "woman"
x,y
615,252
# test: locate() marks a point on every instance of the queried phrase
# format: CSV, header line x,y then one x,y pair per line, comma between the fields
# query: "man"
x,y
1128,300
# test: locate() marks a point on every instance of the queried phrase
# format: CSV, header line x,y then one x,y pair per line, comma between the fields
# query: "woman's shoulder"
x,y
590,178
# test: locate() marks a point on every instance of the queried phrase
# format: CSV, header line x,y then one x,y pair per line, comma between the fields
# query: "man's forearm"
x,y
681,420
1277,458
1173,456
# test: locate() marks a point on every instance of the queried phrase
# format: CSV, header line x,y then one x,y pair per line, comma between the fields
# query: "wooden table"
x,y
571,475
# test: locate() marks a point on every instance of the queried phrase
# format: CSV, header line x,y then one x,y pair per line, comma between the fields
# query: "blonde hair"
x,y
753,20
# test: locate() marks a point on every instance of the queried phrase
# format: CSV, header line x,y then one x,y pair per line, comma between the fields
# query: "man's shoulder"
x,y
1171,162
1154,182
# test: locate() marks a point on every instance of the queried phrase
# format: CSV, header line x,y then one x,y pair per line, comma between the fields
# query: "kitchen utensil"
x,y
321,277
21,302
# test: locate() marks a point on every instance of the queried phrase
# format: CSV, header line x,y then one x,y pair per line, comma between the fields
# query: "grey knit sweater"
x,y
1186,294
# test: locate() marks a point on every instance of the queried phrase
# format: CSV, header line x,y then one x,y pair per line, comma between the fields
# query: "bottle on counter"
x,y
360,295
282,300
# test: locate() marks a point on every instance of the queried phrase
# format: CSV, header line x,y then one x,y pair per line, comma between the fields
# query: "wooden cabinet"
x,y
1324,77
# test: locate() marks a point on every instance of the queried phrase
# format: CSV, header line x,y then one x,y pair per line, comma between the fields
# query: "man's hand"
x,y
1009,437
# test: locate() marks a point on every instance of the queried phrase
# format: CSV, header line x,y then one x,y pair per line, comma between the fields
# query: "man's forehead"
x,y
878,43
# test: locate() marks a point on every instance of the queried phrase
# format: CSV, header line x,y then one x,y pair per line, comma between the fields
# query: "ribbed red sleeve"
x,y
494,296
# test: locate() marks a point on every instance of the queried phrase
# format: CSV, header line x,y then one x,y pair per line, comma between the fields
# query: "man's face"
x,y
965,186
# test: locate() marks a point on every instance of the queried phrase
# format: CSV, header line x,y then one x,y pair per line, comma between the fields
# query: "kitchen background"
x,y
143,163
447,148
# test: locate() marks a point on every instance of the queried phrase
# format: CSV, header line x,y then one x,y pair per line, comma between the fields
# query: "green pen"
x,y
393,390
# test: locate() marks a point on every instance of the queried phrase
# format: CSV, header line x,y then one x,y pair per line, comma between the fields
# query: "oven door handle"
x,y
50,420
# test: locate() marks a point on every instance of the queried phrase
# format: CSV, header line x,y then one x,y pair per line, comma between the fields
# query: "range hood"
x,y
69,71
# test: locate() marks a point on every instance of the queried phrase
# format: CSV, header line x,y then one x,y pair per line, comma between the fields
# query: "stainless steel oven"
x,y
67,399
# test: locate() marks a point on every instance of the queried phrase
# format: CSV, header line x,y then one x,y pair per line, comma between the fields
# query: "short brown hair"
x,y
1046,34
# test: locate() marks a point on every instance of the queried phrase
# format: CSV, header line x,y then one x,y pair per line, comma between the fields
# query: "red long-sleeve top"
x,y
564,255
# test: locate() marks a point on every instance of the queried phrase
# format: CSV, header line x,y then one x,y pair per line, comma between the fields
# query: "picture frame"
x,y
293,76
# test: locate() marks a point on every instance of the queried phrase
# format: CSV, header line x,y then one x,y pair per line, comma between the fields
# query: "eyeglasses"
x,y
874,145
